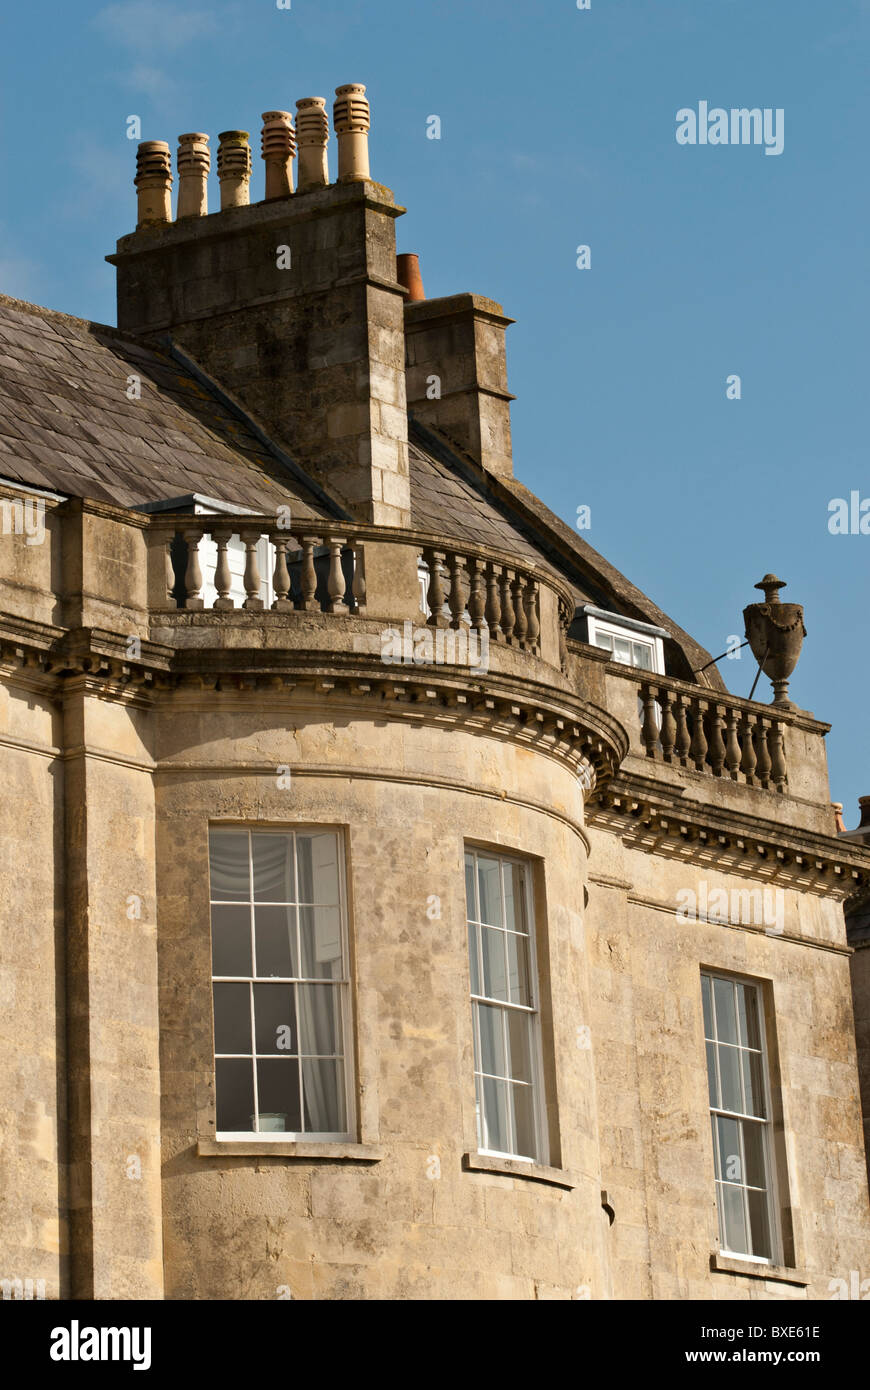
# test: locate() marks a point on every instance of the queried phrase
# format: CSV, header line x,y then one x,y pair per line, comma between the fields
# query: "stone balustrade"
x,y
320,572
464,588
713,733
229,562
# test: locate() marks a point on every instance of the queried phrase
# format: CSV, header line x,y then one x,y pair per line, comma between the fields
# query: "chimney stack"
x,y
312,342
312,126
351,119
457,374
278,145
234,168
194,162
153,182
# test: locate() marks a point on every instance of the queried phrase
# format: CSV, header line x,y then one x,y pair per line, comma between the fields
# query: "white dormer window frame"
x,y
629,639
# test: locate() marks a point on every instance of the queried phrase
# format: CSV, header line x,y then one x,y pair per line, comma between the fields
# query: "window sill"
x,y
517,1168
777,1274
288,1148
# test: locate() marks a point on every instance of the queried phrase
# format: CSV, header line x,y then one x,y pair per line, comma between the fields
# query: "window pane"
x,y
228,865
712,1083
520,1063
319,1020
231,940
489,885
318,868
275,1020
753,1150
494,964
524,1121
519,983
733,1218
232,1018
273,868
730,1163
753,1082
708,1006
492,1055
469,888
473,963
320,935
713,1119
495,1122
514,897
747,1006
643,655
234,1084
726,1018
323,1094
604,640
275,931
759,1223
622,649
278,1095
729,1076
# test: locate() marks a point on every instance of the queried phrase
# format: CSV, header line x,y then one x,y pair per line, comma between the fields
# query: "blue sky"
x,y
558,129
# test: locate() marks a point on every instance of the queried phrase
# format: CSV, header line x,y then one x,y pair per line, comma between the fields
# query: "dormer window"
x,y
631,642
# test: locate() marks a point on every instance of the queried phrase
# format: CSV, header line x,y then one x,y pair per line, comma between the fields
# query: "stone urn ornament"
x,y
775,632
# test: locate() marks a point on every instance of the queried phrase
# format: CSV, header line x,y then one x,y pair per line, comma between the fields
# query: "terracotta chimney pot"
x,y
351,119
312,129
193,163
234,168
408,275
153,182
278,146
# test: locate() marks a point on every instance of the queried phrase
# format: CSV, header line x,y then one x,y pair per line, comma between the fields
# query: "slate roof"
x,y
67,425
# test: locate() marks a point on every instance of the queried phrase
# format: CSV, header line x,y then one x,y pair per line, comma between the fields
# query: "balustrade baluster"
x,y
252,581
716,750
508,616
698,746
777,756
281,579
682,742
477,593
748,760
732,745
222,577
493,601
521,622
336,582
193,573
650,727
762,755
439,609
456,601
531,599
668,732
308,577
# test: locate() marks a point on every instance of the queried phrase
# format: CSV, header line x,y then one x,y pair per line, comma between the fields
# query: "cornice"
x,y
656,820
55,661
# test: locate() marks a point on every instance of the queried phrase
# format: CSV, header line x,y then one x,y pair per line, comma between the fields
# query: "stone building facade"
x,y
397,903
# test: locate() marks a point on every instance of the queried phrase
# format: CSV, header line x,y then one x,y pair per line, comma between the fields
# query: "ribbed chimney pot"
x,y
312,131
234,168
352,121
278,146
193,163
153,182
